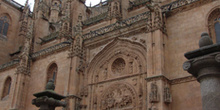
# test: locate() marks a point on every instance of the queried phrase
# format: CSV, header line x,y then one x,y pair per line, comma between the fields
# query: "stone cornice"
x,y
182,5
51,49
9,65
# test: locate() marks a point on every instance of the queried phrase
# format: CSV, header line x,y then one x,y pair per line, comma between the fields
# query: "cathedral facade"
x,y
116,55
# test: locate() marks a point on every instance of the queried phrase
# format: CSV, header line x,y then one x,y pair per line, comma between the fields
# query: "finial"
x,y
50,85
26,4
205,40
100,3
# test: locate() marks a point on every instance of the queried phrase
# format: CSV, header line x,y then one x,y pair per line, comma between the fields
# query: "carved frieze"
x,y
9,64
51,49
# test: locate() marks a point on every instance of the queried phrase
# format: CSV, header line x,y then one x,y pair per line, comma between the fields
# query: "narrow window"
x,y
4,25
5,30
217,32
214,25
52,72
7,87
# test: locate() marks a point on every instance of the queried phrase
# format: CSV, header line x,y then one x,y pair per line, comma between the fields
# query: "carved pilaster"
x,y
157,17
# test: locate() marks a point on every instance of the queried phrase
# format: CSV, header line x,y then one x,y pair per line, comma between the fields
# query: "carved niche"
x,y
118,66
118,97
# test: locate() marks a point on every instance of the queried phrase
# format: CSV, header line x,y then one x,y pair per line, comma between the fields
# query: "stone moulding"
x,y
9,64
177,4
155,78
51,49
14,4
173,81
183,80
116,79
120,24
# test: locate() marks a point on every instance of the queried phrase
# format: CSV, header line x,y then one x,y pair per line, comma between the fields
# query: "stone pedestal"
x,y
204,64
48,99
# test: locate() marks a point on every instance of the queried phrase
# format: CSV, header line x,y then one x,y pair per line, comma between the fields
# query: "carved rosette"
x,y
118,96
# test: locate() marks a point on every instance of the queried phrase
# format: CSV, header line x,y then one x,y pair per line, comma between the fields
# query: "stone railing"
x,y
95,19
9,64
136,3
48,38
117,25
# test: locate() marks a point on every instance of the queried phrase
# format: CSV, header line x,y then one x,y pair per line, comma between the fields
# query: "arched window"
x,y
217,29
52,72
4,25
6,89
214,25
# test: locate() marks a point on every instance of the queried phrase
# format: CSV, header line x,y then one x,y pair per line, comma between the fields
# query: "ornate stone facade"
x,y
116,55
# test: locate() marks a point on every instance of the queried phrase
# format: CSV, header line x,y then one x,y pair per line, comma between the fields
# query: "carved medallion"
x,y
118,66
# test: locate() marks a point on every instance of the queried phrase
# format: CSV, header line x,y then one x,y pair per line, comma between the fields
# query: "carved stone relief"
x,y
167,95
154,95
118,96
